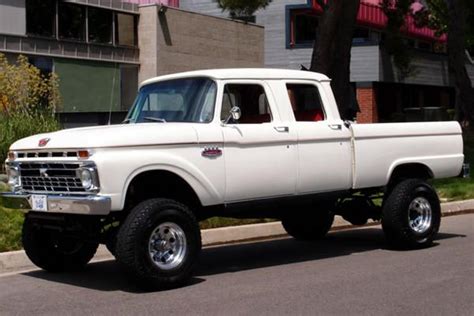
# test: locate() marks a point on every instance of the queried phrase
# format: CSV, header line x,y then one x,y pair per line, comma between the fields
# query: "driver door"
x,y
259,150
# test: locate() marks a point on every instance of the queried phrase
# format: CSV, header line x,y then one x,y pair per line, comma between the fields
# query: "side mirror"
x,y
234,114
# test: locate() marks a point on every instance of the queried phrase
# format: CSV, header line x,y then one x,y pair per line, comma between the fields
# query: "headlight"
x,y
86,178
13,177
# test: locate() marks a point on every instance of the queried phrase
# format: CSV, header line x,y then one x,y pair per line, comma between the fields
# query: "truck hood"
x,y
143,134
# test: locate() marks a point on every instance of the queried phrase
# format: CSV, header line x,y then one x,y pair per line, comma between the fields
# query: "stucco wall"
x,y
180,41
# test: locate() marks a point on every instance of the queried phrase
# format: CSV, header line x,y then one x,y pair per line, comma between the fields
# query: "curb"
x,y
17,261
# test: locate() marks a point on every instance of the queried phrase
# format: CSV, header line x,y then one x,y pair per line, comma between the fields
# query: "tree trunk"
x,y
457,61
332,51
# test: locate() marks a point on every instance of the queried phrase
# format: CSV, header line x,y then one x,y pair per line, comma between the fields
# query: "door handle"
x,y
282,129
335,127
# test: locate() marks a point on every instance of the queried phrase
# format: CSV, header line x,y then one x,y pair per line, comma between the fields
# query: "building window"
x,y
125,29
41,17
100,25
303,28
72,21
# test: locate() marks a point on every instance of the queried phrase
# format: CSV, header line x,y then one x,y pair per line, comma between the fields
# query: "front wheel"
x,y
159,243
411,215
52,251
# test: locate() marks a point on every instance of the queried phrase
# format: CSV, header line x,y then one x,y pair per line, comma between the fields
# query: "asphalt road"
x,y
348,273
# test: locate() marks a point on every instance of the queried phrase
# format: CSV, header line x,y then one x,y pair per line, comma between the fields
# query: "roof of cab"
x,y
243,73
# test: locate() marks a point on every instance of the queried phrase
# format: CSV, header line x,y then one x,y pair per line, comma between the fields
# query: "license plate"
x,y
39,203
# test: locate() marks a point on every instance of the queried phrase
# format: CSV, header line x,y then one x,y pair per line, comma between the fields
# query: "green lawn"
x,y
10,229
450,189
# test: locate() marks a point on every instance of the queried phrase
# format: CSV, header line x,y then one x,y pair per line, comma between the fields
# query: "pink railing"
x,y
169,3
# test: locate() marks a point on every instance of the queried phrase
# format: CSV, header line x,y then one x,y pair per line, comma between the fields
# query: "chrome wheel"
x,y
419,215
167,246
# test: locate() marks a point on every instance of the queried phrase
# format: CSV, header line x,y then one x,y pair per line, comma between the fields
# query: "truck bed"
x,y
379,148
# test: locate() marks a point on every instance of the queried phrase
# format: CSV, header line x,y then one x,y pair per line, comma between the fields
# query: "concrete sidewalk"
x,y
17,261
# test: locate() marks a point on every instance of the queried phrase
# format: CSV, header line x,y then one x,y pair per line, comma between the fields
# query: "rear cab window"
x,y
306,102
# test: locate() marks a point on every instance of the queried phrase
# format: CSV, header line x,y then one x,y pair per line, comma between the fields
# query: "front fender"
x,y
117,168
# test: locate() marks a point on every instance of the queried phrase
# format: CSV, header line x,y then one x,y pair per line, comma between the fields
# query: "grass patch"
x,y
10,229
215,222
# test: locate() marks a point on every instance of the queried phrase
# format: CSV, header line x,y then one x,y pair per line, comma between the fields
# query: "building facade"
x,y
102,49
383,93
91,45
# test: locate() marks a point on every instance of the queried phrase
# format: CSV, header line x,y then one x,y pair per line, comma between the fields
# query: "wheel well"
x,y
162,184
410,170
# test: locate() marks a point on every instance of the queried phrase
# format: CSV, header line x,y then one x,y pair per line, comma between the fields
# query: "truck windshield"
x,y
181,100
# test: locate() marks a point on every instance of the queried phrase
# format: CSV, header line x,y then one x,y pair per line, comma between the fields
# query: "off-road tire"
x,y
53,252
395,215
312,226
132,248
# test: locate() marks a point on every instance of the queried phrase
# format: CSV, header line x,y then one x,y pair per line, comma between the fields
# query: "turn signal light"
x,y
11,155
83,154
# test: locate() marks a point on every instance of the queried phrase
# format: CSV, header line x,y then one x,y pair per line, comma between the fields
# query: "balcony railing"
x,y
67,49
169,3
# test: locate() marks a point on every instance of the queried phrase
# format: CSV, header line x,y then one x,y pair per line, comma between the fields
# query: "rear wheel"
x,y
159,243
411,215
52,251
311,226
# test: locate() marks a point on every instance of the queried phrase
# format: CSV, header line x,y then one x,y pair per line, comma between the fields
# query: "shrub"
x,y
28,102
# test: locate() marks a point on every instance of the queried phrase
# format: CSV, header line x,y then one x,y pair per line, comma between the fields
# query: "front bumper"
x,y
88,205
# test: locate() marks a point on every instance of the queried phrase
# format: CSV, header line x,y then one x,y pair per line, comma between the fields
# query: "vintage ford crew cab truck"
x,y
229,142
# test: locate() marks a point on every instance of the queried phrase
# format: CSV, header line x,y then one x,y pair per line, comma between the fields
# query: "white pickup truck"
x,y
229,142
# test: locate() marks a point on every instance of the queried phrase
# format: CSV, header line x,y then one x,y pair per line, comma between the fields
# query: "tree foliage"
x,y
454,18
242,9
28,101
397,12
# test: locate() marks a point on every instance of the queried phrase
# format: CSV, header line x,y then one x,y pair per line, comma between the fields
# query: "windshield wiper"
x,y
126,121
155,119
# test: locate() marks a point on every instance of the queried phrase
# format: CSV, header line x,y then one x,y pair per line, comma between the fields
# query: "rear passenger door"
x,y
259,150
324,144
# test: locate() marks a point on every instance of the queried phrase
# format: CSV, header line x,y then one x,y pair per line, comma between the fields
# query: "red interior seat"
x,y
310,115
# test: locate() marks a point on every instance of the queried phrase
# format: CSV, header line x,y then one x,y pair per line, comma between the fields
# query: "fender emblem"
x,y
211,152
43,142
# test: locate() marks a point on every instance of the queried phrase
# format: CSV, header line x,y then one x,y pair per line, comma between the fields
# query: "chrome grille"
x,y
46,154
50,177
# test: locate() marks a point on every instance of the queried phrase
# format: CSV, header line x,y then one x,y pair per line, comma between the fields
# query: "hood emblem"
x,y
43,142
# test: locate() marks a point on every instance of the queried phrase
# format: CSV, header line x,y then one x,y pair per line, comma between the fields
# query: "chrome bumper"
x,y
89,205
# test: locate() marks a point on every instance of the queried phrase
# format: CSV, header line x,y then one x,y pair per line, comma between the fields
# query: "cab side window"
x,y
306,102
252,101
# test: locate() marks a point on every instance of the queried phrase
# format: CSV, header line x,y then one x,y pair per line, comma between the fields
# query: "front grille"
x,y
46,154
50,177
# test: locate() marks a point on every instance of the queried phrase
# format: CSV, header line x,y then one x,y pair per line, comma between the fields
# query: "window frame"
x,y
220,98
